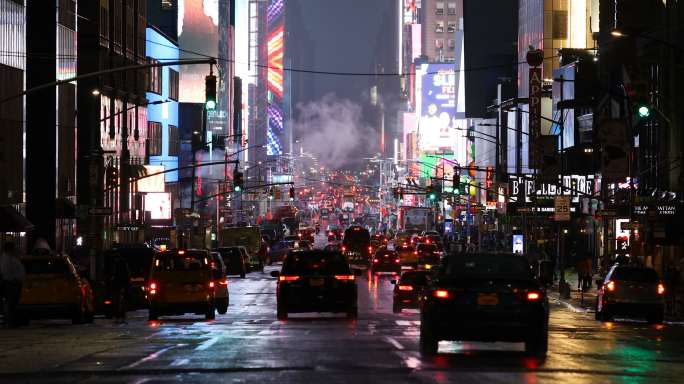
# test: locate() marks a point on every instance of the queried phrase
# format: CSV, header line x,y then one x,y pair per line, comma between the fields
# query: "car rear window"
x,y
427,248
321,263
415,278
488,266
639,275
189,261
386,253
38,267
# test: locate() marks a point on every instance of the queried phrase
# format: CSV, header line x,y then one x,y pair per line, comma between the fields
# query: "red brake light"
x,y
441,294
427,241
344,249
661,289
107,302
211,284
405,288
224,282
532,296
397,261
376,260
288,278
415,253
370,249
153,289
181,252
610,286
345,277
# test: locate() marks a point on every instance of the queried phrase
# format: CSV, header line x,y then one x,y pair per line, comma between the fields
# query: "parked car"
x,y
631,291
221,296
53,289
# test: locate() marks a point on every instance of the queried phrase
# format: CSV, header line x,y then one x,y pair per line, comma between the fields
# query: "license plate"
x,y
316,282
487,299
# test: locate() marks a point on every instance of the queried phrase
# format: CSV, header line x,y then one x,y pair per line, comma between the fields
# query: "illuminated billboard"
x,y
437,107
275,79
152,183
159,205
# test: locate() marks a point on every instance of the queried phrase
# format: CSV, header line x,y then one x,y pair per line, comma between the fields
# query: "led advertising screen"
x,y
436,129
275,78
152,183
159,205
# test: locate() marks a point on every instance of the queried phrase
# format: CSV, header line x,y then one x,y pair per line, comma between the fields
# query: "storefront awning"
x,y
13,221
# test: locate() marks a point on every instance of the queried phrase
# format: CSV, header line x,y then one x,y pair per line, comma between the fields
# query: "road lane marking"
x,y
179,362
208,343
394,342
149,357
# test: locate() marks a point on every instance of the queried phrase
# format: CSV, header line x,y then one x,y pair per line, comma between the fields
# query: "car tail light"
x,y
661,289
370,249
441,294
376,260
345,277
107,302
153,288
212,284
224,282
330,233
415,253
397,261
427,241
610,286
181,252
405,288
533,296
288,278
344,249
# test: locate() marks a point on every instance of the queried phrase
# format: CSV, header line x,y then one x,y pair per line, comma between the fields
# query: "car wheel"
x,y
428,342
211,314
281,312
222,306
396,308
538,344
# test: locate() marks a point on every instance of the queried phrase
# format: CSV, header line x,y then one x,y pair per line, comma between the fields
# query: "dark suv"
x,y
485,297
315,281
632,291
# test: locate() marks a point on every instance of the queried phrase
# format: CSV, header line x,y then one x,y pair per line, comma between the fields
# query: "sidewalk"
x,y
578,301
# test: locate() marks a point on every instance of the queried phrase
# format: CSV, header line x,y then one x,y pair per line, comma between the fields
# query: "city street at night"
x,y
249,345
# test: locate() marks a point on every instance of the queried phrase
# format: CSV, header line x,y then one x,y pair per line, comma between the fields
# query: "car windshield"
x,y
639,275
317,262
427,248
487,266
414,278
37,267
188,261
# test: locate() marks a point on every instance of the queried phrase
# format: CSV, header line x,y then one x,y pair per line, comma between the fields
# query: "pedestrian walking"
x,y
119,283
13,276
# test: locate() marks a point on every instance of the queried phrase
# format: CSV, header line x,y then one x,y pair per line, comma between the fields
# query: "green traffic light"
x,y
237,188
433,196
644,111
211,105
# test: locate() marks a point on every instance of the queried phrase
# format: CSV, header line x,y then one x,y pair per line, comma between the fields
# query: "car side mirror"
x,y
275,273
357,272
393,281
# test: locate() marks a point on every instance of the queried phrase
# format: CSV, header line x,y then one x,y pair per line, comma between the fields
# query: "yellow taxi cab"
x,y
180,282
53,289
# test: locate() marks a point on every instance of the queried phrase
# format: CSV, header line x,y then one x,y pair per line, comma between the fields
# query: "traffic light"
x,y
210,92
238,182
641,97
430,193
271,194
112,176
643,111
292,193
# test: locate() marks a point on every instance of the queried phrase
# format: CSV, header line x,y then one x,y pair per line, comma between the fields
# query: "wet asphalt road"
x,y
249,345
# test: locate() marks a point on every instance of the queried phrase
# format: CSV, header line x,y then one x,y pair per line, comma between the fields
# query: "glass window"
x,y
439,8
451,28
452,44
166,4
188,261
439,43
488,266
560,24
439,26
154,137
322,263
452,8
46,266
174,141
173,84
638,275
154,78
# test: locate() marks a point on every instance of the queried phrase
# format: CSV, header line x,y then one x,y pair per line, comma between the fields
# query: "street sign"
x,y
100,211
561,210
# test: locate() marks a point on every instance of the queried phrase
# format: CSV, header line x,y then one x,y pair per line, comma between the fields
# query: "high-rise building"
x,y
440,19
111,35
